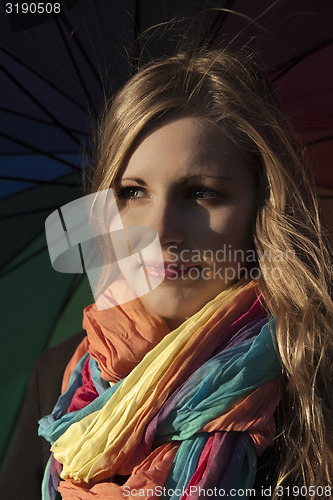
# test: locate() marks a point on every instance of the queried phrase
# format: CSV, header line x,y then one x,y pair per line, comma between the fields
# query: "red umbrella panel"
x,y
293,40
304,88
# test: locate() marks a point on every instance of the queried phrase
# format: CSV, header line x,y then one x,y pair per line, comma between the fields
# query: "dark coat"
x,y
22,475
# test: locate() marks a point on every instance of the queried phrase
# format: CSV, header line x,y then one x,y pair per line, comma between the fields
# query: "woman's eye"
x,y
203,193
130,192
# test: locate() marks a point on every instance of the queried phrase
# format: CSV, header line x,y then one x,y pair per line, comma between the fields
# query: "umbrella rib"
x,y
28,212
41,152
17,254
219,20
34,72
137,42
84,87
35,181
291,63
82,50
40,105
31,153
71,291
19,264
38,120
318,141
226,10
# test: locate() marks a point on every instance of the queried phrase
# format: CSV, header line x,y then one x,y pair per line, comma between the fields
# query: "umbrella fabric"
x,y
294,42
54,73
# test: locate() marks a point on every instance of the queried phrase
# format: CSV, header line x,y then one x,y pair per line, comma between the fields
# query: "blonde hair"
x,y
228,90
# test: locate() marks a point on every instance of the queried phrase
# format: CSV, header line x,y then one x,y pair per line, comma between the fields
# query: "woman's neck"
x,y
174,323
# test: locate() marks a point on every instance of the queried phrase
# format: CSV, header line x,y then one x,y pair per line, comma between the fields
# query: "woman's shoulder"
x,y
29,452
49,370
60,354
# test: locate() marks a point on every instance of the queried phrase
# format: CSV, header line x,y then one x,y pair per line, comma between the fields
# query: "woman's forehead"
x,y
186,146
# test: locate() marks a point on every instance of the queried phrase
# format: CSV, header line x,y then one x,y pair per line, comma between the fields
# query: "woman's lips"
x,y
170,270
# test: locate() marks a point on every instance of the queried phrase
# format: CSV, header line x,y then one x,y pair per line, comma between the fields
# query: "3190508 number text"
x,y
33,8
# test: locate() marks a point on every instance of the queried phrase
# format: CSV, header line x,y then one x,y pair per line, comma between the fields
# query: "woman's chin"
x,y
177,303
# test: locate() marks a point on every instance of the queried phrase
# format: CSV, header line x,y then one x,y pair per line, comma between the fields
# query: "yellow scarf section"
x,y
97,446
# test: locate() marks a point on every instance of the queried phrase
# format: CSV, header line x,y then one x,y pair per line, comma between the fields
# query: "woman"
x,y
220,377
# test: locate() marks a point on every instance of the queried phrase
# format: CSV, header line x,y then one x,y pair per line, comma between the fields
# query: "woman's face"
x,y
187,180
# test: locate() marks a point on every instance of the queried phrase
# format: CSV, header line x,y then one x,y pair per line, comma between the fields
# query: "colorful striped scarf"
x,y
148,412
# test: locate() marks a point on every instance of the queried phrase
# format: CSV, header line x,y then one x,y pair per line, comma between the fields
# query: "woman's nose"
x,y
167,219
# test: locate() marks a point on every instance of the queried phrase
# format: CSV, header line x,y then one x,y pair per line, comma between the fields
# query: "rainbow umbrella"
x,y
54,72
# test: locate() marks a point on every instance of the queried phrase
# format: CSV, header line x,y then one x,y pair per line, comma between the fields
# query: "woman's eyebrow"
x,y
182,180
133,179
191,178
